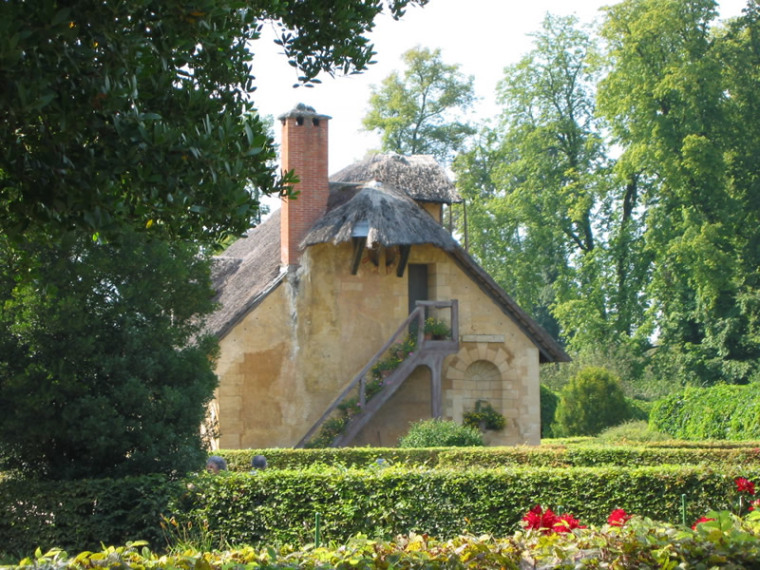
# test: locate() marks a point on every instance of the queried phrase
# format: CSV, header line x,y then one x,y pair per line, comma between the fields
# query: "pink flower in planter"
x,y
744,485
618,517
700,521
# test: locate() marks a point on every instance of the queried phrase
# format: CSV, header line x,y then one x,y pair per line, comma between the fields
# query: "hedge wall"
x,y
286,458
279,505
578,455
80,515
719,412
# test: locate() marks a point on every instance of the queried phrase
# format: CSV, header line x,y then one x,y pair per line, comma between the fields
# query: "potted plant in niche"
x,y
436,329
484,417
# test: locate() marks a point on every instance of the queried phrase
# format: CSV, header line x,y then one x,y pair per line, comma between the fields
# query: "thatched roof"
x,y
245,274
382,213
420,176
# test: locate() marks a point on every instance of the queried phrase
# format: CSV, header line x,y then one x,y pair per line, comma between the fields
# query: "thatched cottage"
x,y
317,301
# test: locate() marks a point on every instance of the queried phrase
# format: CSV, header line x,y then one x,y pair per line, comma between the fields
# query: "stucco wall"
x,y
283,364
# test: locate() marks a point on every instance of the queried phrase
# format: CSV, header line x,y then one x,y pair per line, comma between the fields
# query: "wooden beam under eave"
x,y
403,259
359,244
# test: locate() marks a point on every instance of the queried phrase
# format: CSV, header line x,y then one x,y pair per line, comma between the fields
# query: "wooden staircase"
x,y
428,352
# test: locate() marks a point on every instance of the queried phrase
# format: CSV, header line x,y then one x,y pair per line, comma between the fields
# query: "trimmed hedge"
x,y
82,515
458,495
597,455
549,455
280,506
286,458
720,412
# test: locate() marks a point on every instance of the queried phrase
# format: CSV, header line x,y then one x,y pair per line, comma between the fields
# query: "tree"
x,y
417,113
129,141
104,371
138,113
545,214
682,100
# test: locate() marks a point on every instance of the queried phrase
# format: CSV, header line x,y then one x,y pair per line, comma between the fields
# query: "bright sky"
x,y
482,36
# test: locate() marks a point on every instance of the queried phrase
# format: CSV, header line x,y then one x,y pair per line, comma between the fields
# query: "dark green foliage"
x,y
103,371
549,403
82,515
440,433
592,401
718,412
135,114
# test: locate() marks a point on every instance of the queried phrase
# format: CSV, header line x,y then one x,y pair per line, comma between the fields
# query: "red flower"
x,y
700,521
618,517
566,523
548,522
537,519
754,504
744,485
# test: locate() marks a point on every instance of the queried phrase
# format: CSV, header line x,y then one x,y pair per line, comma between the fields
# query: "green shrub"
x,y
549,402
592,400
724,412
441,433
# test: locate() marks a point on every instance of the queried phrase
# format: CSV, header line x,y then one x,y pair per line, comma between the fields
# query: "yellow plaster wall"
x,y
285,362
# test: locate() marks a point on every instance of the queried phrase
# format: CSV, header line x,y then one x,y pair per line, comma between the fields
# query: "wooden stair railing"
x,y
428,352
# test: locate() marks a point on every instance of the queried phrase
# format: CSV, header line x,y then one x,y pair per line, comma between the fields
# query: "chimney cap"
x,y
302,110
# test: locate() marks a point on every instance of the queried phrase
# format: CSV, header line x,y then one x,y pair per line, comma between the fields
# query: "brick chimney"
x,y
304,150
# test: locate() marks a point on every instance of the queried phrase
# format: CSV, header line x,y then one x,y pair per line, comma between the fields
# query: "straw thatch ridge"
x,y
420,176
245,274
389,216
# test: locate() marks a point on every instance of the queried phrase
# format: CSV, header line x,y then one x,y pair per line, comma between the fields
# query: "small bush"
x,y
591,402
440,433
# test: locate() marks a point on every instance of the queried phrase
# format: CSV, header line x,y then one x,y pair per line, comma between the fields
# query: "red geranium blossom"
x,y
744,485
566,523
548,522
618,517
537,519
700,521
